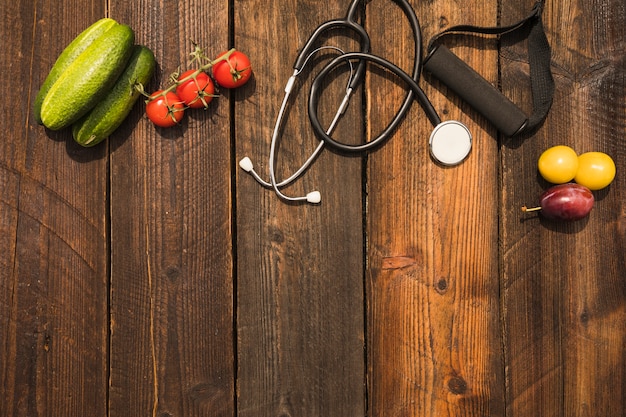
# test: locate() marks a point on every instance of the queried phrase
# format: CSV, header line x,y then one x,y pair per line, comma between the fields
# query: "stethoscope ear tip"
x,y
450,143
314,197
246,164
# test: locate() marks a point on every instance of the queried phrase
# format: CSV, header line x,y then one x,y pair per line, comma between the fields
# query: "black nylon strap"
x,y
542,83
539,55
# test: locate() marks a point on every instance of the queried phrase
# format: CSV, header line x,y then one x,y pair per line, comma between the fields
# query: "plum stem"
x,y
526,209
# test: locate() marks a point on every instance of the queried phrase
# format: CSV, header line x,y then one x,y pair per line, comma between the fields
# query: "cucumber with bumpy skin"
x,y
88,78
69,54
109,113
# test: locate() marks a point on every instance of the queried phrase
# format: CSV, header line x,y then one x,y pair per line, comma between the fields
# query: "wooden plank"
x,y
53,290
563,284
171,258
299,267
434,343
292,311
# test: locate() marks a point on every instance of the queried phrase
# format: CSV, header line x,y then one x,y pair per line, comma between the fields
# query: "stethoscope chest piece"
x,y
450,143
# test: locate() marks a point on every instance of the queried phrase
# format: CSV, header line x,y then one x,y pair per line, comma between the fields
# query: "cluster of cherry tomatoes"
x,y
196,88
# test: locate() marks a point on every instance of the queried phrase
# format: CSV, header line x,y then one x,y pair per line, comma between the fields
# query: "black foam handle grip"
x,y
475,90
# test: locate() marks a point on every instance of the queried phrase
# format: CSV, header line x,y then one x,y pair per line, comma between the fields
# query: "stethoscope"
x,y
450,142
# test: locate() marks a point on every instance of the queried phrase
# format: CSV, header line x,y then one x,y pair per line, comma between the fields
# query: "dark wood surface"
x,y
150,276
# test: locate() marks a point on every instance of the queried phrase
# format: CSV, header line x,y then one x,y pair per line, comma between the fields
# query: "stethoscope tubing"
x,y
308,48
363,56
317,87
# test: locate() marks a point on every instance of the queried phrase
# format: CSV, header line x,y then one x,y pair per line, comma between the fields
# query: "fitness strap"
x,y
482,95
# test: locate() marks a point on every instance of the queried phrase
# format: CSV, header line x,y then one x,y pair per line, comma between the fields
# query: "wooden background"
x,y
150,276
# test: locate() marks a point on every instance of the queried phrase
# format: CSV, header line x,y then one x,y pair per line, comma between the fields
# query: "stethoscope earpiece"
x,y
314,197
450,143
246,164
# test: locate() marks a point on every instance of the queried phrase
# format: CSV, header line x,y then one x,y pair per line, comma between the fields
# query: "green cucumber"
x,y
69,54
88,78
111,111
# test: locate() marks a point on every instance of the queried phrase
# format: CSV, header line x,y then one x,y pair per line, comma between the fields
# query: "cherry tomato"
x,y
164,109
596,170
558,164
234,72
196,92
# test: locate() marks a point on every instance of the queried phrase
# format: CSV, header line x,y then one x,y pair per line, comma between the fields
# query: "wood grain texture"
x,y
151,276
53,293
433,313
171,270
564,285
299,267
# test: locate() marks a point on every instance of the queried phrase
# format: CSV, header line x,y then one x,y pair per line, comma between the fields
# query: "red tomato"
x,y
196,92
165,110
234,72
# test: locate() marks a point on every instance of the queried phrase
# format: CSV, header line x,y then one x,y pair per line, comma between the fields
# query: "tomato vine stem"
x,y
197,55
